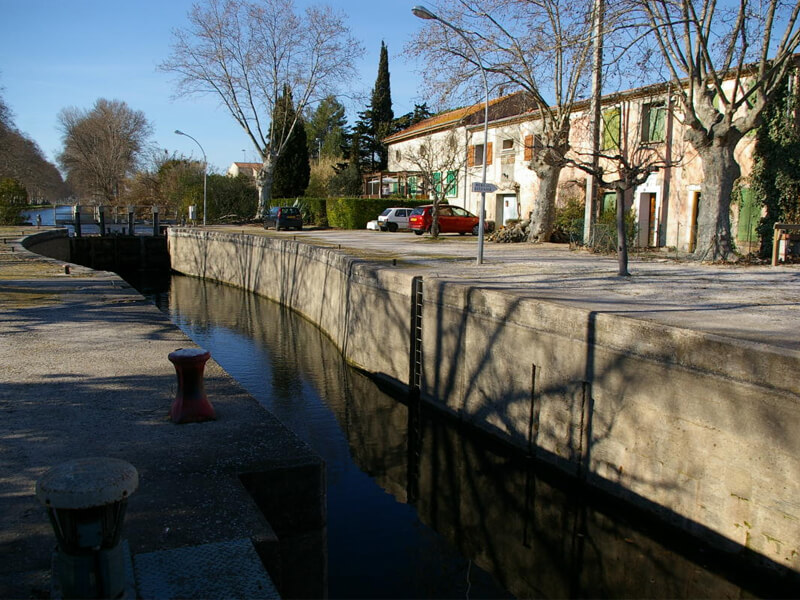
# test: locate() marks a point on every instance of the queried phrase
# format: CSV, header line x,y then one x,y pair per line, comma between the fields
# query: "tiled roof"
x,y
441,120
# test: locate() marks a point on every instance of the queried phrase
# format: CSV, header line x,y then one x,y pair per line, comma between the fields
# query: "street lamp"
x,y
205,170
424,13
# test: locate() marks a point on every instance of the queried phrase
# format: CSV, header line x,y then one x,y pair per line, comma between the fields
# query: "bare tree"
x,y
102,146
542,47
726,61
438,159
21,159
247,52
637,142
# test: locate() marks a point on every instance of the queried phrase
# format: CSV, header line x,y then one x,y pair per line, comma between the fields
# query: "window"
x,y
533,145
412,185
398,156
654,118
507,161
478,155
611,129
452,184
475,155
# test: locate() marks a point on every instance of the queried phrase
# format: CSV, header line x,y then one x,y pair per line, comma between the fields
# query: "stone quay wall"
x,y
699,429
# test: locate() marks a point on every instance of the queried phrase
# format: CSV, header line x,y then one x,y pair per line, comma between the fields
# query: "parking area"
x,y
757,303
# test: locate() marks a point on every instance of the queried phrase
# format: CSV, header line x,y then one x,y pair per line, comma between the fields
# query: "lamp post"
x,y
424,13
205,170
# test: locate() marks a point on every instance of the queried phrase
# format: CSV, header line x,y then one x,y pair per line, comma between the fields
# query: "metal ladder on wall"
x,y
415,378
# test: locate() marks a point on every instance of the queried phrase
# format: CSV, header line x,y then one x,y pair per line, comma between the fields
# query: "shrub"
x,y
568,225
13,198
355,213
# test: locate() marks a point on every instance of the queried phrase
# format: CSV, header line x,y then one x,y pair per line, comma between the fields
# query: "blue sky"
x,y
59,53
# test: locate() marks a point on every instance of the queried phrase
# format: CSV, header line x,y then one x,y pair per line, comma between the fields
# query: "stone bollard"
x,y
191,404
86,500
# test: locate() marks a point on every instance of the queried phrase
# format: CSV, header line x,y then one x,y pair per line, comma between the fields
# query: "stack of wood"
x,y
511,232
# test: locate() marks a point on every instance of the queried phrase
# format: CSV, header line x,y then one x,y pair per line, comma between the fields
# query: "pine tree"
x,y
292,169
420,113
326,129
380,113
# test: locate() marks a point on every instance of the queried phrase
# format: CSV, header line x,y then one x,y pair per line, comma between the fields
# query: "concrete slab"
x,y
84,372
222,570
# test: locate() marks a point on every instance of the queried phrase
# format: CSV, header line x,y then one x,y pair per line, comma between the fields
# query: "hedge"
x,y
344,213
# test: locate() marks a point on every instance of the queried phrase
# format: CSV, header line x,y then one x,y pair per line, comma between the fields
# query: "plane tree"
x,y
540,47
102,147
726,61
437,159
247,53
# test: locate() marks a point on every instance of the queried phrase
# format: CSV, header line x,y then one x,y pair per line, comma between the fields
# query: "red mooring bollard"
x,y
191,404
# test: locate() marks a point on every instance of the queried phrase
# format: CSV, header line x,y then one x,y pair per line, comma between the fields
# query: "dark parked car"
x,y
452,219
284,217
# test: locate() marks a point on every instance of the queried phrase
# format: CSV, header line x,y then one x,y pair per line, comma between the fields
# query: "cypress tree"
x,y
292,169
380,112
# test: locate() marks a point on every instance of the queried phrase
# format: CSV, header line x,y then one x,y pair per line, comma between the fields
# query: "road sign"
x,y
487,188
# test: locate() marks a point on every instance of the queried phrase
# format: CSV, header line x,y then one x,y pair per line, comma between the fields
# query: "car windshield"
x,y
292,211
417,211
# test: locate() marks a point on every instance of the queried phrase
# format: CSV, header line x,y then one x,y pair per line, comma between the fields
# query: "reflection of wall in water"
x,y
532,535
538,539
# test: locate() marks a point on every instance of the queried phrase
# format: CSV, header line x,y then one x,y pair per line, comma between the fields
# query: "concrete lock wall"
x,y
697,428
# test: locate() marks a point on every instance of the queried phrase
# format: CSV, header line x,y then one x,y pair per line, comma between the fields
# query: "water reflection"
x,y
418,507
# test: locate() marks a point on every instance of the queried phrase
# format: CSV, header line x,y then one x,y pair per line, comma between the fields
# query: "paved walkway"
x,y
756,303
84,372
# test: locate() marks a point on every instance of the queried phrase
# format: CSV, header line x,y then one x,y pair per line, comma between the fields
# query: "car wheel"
x,y
418,232
392,227
299,228
277,227
475,230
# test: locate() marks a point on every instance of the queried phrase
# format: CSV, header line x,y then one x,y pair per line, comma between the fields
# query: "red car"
x,y
452,219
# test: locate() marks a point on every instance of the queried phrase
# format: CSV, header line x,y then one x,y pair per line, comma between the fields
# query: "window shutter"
x,y
471,156
489,153
528,147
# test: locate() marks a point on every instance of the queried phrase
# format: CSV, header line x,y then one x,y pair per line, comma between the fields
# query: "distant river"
x,y
420,506
56,215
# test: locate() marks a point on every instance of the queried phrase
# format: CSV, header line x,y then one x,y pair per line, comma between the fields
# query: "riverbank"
x,y
85,373
648,388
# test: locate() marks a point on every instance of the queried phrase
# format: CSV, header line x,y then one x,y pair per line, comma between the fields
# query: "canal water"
x,y
420,506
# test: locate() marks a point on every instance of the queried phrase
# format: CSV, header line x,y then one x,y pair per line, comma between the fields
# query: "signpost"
x,y
483,188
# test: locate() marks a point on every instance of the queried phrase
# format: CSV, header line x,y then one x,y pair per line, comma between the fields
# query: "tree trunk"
x,y
265,179
720,172
544,206
435,219
622,238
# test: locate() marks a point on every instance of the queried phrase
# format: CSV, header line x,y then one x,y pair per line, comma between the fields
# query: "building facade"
x,y
643,122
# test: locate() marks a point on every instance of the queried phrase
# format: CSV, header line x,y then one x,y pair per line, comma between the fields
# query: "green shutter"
x,y
452,184
412,186
749,216
611,129
437,183
610,202
656,118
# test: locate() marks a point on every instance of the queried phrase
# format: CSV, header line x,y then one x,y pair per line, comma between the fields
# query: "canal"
x,y
420,506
